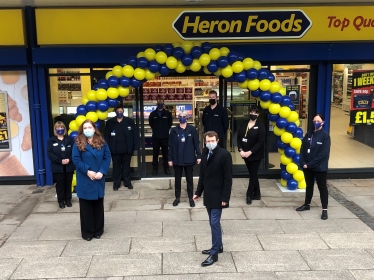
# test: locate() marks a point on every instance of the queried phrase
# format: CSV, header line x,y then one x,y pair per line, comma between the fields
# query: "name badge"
x,y
319,143
55,144
129,127
216,115
113,134
63,149
245,140
165,117
308,151
183,139
189,135
255,127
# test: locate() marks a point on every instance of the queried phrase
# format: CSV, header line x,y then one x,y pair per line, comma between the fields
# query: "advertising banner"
x,y
293,91
4,126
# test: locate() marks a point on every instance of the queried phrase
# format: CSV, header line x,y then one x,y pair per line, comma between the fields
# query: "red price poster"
x,y
4,123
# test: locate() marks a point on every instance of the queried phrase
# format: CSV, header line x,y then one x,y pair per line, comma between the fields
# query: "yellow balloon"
x,y
92,116
123,91
70,131
206,71
297,123
128,71
73,126
286,137
214,53
274,108
218,72
296,143
283,183
161,57
197,43
149,75
150,54
285,159
275,87
91,95
140,54
112,92
291,168
180,67
257,65
101,94
237,66
110,109
176,44
227,71
74,181
80,119
195,66
248,63
84,100
302,185
243,84
299,176
293,117
298,151
284,112
253,84
110,74
204,59
102,115
278,131
265,104
171,62
265,85
282,91
224,51
117,71
139,74
281,151
187,46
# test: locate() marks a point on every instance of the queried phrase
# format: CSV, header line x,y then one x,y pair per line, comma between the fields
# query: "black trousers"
x,y
188,170
157,144
92,217
254,184
63,185
321,178
121,168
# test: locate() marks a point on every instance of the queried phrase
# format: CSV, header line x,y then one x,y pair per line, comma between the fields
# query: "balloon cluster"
x,y
196,56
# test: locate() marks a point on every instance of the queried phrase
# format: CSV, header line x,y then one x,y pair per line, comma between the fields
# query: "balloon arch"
x,y
194,56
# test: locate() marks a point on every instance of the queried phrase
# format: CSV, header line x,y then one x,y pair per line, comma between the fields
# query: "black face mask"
x,y
212,101
253,117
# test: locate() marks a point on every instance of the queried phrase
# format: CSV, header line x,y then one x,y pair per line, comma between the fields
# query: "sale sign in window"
x,y
4,123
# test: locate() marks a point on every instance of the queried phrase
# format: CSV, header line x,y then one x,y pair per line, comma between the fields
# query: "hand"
x,y
170,163
98,176
195,197
91,174
248,154
198,161
305,166
224,203
242,153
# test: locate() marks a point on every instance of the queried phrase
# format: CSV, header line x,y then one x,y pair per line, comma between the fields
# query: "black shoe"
x,y
256,197
167,171
61,205
176,202
130,187
68,203
324,215
303,207
192,203
207,252
88,238
115,188
154,172
210,260
97,236
249,200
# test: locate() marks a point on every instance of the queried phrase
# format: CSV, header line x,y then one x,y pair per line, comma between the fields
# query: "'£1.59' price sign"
x,y
362,117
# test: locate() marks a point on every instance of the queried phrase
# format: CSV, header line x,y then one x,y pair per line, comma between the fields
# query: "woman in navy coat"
x,y
91,157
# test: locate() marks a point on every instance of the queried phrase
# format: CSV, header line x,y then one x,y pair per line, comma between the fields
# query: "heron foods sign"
x,y
260,24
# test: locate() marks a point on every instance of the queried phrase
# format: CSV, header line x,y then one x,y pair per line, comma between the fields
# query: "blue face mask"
x,y
60,131
119,115
182,119
160,106
317,125
88,133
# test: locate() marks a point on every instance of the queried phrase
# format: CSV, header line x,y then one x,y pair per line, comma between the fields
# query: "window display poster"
x,y
18,161
362,89
4,127
293,91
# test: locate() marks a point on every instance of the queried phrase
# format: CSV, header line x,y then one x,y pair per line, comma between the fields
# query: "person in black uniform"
x,y
123,139
160,120
215,180
215,119
251,144
184,152
59,149
314,159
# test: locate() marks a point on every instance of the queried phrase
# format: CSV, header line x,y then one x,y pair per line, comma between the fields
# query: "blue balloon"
x,y
291,127
285,175
135,83
273,118
158,48
98,124
240,77
113,81
103,84
196,52
296,159
125,82
95,87
282,166
91,106
240,57
187,60
276,98
81,110
178,52
232,56
222,61
206,47
231,79
142,62
265,96
168,49
281,145
252,74
291,106
132,61
73,134
112,102
286,100
281,122
290,152
164,70
263,74
256,93
153,66
298,133
292,184
102,105
212,66
271,77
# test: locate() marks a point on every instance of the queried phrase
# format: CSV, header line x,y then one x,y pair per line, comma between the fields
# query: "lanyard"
x,y
311,140
245,136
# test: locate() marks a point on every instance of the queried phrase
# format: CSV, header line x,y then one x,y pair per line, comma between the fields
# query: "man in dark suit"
x,y
215,180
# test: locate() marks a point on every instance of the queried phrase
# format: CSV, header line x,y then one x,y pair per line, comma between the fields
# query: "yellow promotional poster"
x,y
11,29
246,24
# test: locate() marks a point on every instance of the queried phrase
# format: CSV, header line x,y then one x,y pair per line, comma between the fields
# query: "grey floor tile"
x,y
184,204
163,215
61,233
305,226
283,201
334,212
32,249
46,207
38,220
231,243
133,229
165,277
262,275
363,274
291,242
232,227
352,225
138,204
272,213
145,194
315,275
7,230
163,244
349,240
120,217
236,202
82,247
7,267
186,228
227,214
26,234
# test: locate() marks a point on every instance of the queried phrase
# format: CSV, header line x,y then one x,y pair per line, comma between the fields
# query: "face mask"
x,y
160,106
60,131
253,117
211,146
212,101
119,115
182,119
89,133
317,125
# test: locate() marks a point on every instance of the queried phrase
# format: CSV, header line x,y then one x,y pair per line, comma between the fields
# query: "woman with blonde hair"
x,y
59,148
91,157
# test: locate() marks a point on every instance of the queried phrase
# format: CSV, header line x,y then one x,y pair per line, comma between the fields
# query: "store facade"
x,y
302,47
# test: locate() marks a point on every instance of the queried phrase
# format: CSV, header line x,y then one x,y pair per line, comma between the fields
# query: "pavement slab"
x,y
7,267
352,225
186,228
164,277
291,242
227,214
163,215
261,275
272,213
315,275
363,274
82,247
283,201
145,194
232,227
139,204
334,212
307,226
26,233
138,229
349,240
231,243
67,219
26,249
162,244
183,204
120,217
61,233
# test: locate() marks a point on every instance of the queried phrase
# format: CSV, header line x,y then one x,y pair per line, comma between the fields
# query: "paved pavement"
x,y
147,238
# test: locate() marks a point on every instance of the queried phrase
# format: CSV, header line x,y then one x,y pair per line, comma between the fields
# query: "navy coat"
x,y
93,160
56,155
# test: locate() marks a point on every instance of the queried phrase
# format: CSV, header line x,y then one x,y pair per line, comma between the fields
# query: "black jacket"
x,y
160,124
215,120
215,178
318,157
56,155
255,140
191,148
131,134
